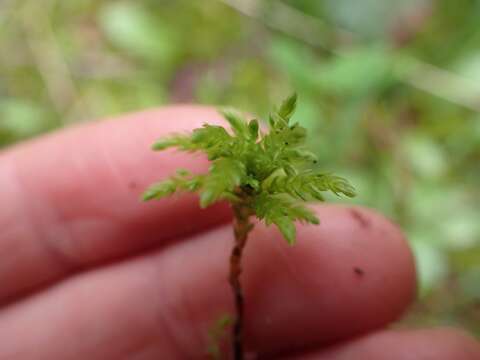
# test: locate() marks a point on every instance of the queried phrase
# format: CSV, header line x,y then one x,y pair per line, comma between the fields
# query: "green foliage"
x,y
134,29
183,181
268,173
282,211
226,174
309,185
287,109
216,334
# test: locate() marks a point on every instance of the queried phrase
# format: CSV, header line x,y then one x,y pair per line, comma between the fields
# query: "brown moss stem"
x,y
242,227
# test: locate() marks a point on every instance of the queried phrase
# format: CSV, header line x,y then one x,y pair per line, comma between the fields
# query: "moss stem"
x,y
242,227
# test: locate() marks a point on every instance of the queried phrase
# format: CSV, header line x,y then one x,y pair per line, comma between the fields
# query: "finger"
x,y
161,305
437,344
71,200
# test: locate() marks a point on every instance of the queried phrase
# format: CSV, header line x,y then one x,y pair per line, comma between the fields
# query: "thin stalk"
x,y
242,227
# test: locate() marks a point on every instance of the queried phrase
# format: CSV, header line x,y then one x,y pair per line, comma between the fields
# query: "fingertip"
x,y
392,235
351,274
427,344
388,245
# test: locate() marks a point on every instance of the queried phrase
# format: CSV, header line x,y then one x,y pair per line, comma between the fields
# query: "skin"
x,y
89,272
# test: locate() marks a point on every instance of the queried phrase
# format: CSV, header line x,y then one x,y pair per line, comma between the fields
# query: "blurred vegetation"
x,y
391,90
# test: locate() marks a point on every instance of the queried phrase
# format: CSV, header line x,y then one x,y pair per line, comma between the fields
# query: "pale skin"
x,y
87,271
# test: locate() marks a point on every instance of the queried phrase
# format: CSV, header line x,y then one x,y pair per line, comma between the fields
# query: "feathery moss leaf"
x,y
224,176
182,182
309,185
283,212
287,109
238,124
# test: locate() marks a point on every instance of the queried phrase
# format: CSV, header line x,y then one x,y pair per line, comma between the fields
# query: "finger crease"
x,y
54,239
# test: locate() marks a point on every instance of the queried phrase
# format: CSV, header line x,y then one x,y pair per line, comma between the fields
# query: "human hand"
x,y
89,272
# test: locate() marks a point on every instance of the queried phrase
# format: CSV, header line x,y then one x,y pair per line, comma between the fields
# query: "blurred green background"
x,y
390,90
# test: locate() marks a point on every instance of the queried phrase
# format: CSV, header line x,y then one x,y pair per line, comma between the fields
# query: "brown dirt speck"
x,y
360,218
358,271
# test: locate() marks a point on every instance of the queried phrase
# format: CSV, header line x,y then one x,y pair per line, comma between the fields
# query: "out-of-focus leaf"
x,y
469,67
130,27
21,118
462,229
357,72
470,283
464,260
432,264
371,18
309,116
425,156
111,98
294,59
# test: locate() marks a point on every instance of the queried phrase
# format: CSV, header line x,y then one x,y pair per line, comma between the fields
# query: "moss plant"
x,y
267,175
